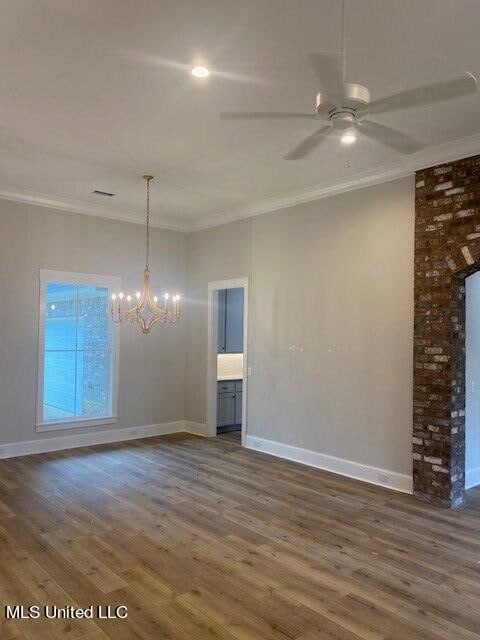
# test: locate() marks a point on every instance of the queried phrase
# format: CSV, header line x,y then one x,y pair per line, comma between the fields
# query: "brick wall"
x,y
447,249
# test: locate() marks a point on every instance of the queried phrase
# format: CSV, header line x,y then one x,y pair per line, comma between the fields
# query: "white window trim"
x,y
113,283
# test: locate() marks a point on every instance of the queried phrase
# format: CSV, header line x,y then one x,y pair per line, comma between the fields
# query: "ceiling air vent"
x,y
97,192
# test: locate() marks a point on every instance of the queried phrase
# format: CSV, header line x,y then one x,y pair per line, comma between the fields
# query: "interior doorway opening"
x,y
472,380
227,359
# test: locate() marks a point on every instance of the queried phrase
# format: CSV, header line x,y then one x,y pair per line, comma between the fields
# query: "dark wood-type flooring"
x,y
203,539
235,437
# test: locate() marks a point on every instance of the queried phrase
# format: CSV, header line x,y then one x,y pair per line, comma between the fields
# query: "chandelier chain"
x,y
148,224
342,19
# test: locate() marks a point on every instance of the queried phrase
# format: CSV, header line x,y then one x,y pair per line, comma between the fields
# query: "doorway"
x,y
227,380
472,380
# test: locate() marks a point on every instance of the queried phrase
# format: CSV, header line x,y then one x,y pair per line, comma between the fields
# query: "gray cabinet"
x,y
238,407
229,404
225,409
230,321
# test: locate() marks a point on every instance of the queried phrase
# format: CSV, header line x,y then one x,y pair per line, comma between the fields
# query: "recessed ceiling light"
x,y
200,72
348,138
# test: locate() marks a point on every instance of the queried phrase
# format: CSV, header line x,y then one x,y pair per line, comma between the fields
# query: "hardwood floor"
x,y
234,437
203,539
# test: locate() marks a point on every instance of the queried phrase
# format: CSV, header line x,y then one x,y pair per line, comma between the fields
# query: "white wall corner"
x,y
196,428
358,471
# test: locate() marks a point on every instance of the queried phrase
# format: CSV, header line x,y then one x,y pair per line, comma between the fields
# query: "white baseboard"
x,y
57,443
196,428
374,475
349,468
472,477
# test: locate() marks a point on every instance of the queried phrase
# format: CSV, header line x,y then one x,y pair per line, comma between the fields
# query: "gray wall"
x,y
152,368
334,277
220,253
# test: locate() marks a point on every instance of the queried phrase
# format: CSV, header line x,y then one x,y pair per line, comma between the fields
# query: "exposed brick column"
x,y
447,249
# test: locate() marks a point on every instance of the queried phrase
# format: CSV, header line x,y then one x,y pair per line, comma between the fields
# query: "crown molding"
x,y
404,166
322,190
39,199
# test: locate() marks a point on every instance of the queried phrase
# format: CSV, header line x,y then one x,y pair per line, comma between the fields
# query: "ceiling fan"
x,y
344,106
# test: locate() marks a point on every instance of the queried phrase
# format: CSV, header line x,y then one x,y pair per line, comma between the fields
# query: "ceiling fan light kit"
x,y
348,138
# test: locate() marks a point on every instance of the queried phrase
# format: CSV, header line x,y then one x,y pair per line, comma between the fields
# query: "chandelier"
x,y
144,309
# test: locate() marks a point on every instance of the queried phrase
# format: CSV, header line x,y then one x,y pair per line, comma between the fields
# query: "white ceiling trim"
x,y
77,206
406,165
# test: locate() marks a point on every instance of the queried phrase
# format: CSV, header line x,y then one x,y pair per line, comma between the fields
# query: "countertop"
x,y
229,378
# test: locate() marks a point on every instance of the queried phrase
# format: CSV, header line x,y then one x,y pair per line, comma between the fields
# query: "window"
x,y
78,346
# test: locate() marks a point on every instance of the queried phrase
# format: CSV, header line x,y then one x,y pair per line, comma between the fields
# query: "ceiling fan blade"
x,y
428,94
389,137
308,144
329,76
263,115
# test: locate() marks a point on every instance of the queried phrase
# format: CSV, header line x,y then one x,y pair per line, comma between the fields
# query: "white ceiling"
x,y
94,93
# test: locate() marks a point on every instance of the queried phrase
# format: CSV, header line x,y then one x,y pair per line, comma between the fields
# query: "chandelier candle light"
x,y
145,309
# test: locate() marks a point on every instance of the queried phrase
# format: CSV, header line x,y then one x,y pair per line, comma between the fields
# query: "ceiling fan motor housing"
x,y
354,97
342,118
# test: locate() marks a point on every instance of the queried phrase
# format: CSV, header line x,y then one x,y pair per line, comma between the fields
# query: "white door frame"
x,y
212,347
